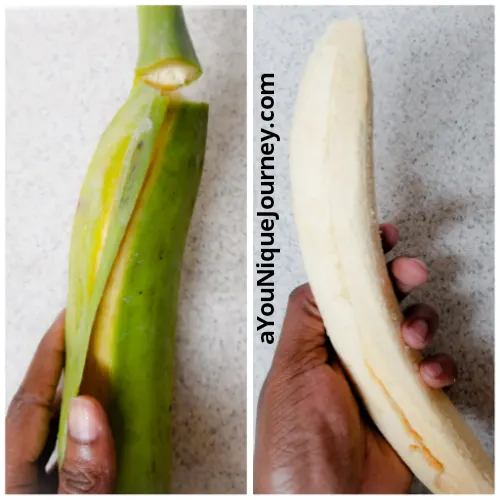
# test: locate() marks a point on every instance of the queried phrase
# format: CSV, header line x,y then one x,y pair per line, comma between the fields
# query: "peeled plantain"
x,y
333,196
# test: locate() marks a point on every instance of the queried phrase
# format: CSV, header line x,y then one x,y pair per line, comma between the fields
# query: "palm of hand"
x,y
328,428
377,467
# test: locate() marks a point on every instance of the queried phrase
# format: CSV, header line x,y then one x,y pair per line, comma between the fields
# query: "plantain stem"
x,y
167,59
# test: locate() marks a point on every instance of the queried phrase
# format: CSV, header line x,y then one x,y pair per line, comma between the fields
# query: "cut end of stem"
x,y
167,59
170,75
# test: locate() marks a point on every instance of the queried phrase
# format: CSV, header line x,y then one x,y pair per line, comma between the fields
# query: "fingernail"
x,y
420,264
433,369
420,329
81,425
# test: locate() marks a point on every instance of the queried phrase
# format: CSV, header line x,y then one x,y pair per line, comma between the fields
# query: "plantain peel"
x,y
127,244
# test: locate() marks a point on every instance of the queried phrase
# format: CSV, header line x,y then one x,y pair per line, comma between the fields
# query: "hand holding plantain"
x,y
31,429
127,244
311,435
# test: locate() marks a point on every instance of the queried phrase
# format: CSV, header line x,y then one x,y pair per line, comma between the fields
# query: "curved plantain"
x,y
333,194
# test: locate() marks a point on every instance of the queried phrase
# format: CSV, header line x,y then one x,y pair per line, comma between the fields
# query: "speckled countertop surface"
x,y
432,70
68,71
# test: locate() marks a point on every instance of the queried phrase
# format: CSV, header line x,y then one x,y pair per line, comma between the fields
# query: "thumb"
x,y
89,463
302,343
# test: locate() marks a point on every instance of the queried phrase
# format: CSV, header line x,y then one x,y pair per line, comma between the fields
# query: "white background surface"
x,y
68,72
432,71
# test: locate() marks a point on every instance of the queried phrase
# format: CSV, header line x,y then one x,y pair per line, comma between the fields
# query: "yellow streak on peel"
x,y
100,353
98,366
107,198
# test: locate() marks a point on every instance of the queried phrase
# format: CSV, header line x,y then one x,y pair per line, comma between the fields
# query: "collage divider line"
x,y
249,412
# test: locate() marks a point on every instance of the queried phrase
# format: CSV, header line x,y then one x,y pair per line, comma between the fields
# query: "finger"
x,y
390,236
438,371
302,341
407,273
50,442
89,462
30,412
420,325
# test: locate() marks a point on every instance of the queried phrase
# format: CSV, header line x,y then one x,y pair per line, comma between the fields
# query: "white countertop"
x,y
432,70
68,72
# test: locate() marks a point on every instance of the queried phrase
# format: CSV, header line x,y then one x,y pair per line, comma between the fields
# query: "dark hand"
x,y
312,436
31,431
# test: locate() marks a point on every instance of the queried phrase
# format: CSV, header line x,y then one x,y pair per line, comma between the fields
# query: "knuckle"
x,y
82,477
300,295
15,407
22,400
302,300
426,312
